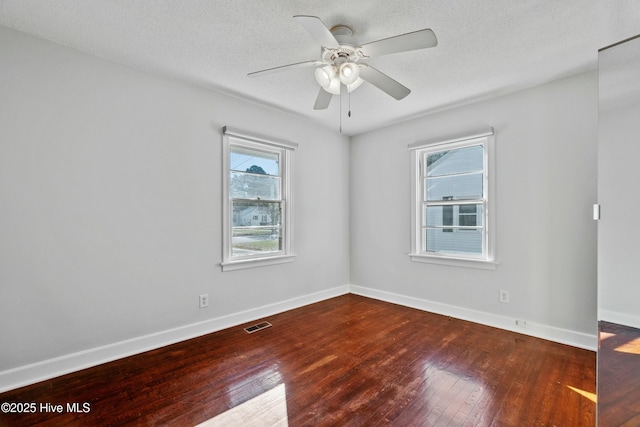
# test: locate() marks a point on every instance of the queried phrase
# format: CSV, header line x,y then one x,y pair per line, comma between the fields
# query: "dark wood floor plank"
x,y
347,361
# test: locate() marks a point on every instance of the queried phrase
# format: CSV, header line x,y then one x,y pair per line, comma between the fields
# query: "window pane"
x,y
461,160
454,187
252,241
255,213
457,241
453,215
256,228
254,161
249,186
468,209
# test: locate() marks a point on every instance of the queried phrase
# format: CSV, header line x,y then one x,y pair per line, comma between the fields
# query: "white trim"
x,y
285,151
461,138
625,319
485,138
30,374
256,262
457,262
551,333
274,142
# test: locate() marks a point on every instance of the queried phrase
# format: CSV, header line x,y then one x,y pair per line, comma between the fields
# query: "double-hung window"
x,y
452,212
257,201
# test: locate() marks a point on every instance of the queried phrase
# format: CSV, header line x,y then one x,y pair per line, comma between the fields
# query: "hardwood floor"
x,y
347,361
618,376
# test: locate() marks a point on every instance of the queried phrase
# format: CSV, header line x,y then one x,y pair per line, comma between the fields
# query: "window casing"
x,y
452,206
257,200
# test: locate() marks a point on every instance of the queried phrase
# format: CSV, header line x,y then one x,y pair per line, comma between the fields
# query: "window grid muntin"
x,y
459,204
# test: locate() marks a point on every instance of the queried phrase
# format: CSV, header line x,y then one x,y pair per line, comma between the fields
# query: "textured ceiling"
x,y
485,48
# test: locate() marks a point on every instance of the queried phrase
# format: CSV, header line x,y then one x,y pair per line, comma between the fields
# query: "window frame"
x,y
418,152
285,151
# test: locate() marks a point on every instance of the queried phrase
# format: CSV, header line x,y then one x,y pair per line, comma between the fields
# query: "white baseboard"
x,y
563,336
46,369
625,319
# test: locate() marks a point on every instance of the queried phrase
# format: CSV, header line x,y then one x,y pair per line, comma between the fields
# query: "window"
x,y
257,201
452,203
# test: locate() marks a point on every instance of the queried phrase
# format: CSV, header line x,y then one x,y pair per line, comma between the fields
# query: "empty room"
x,y
328,213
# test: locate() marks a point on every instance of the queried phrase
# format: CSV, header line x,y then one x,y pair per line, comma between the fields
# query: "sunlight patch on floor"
x,y
267,409
632,347
591,396
605,335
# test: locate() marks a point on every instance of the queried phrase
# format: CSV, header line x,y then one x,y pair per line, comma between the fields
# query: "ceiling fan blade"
x,y
323,100
411,41
318,30
285,67
383,82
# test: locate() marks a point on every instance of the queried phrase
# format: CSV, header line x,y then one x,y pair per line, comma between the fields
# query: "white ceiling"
x,y
486,47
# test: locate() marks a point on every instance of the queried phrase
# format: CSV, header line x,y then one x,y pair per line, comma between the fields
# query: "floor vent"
x,y
259,326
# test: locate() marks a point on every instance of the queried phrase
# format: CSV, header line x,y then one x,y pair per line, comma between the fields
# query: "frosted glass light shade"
x,y
325,75
330,80
349,73
334,86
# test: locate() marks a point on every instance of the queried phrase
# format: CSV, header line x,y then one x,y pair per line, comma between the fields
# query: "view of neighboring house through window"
x,y
451,205
453,190
258,198
255,192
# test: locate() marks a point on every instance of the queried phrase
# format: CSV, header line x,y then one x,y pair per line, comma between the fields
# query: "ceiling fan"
x,y
340,68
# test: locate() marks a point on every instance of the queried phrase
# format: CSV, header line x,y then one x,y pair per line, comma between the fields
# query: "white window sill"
x,y
256,262
457,262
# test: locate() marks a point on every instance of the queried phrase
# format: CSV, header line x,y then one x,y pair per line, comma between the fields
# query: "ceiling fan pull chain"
x,y
340,99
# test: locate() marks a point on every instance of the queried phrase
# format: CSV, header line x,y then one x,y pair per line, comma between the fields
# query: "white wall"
x,y
546,144
110,213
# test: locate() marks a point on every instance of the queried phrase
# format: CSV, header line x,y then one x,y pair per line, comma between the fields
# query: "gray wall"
x,y
546,143
110,203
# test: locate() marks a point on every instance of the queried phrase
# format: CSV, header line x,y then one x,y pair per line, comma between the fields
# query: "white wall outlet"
x,y
521,323
504,296
204,300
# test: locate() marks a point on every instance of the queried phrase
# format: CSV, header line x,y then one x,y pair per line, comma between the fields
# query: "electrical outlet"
x,y
204,300
521,323
504,296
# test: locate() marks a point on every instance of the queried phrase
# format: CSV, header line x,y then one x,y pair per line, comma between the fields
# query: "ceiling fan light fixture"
x,y
339,59
334,86
349,73
325,75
